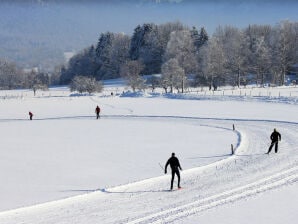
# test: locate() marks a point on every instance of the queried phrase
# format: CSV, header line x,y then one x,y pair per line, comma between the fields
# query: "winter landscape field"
x,y
65,166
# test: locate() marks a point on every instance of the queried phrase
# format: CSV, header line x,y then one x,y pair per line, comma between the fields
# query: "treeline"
x,y
231,56
149,45
182,56
13,77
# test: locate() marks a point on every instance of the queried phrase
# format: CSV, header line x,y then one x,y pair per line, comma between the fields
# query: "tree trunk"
x,y
238,78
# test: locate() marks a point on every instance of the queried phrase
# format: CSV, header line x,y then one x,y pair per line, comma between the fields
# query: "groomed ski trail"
x,y
237,177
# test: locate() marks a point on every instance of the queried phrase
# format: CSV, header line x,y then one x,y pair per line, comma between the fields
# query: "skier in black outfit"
x,y
175,166
275,137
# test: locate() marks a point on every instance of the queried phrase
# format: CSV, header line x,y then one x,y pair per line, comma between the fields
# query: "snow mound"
x,y
134,94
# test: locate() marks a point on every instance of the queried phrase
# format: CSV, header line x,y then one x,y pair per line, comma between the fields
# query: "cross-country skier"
x,y
30,115
275,137
97,111
175,166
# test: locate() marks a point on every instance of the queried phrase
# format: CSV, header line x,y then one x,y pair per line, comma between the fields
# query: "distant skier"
x,y
97,111
30,115
275,137
175,166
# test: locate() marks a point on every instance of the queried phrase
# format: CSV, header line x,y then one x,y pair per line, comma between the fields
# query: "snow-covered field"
x,y
67,167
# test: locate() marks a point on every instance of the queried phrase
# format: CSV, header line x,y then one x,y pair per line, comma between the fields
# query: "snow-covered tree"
x,y
181,47
173,76
214,62
235,51
258,57
164,33
83,84
285,49
10,76
39,81
262,56
131,71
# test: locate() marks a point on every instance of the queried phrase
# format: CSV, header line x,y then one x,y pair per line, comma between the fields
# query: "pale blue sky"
x,y
124,16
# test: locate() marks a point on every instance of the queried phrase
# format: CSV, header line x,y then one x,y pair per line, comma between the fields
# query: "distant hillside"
x,y
39,34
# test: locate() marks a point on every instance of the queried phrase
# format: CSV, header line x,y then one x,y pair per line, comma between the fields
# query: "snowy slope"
x,y
199,131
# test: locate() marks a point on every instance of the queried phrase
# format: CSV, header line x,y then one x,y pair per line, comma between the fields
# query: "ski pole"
x,y
160,166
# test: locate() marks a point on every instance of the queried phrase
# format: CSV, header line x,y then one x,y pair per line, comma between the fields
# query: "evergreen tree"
x,y
199,39
119,54
203,37
145,47
81,63
196,38
103,55
138,40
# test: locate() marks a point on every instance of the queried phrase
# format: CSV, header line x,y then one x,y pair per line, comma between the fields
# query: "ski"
x,y
176,189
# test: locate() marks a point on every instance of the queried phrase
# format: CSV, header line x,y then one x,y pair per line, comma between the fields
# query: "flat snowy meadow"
x,y
65,166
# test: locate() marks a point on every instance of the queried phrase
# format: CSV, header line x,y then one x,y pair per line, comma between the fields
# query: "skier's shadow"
x,y
250,155
64,118
103,190
132,192
210,157
82,190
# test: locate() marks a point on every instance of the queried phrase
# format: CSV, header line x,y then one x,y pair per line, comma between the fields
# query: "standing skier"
x,y
175,166
275,137
30,115
97,111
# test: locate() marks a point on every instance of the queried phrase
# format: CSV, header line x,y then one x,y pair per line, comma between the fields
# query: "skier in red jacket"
x,y
97,111
30,115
